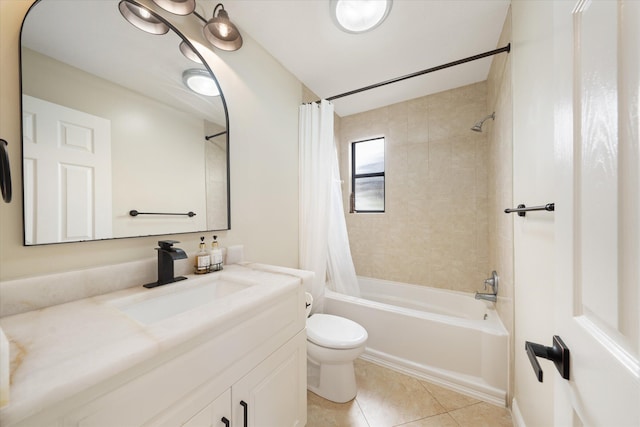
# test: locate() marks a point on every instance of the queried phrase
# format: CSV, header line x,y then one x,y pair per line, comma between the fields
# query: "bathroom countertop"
x,y
58,351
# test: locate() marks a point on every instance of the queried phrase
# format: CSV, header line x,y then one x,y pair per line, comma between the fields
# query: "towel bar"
x,y
522,209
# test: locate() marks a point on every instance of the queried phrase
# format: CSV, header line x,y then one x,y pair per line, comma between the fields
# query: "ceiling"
x,y
93,36
300,34
417,34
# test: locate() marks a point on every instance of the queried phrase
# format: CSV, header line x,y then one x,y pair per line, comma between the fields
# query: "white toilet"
x,y
333,343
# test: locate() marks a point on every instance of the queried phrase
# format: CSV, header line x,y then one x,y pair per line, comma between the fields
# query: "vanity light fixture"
x,y
221,32
142,18
177,7
359,16
186,50
200,81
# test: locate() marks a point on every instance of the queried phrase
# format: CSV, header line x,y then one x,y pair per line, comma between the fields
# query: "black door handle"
x,y
245,409
558,354
225,421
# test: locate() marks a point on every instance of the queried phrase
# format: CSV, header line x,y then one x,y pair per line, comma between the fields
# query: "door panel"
x,y
597,221
75,147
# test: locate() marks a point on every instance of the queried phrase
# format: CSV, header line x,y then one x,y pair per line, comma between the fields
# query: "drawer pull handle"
x,y
245,407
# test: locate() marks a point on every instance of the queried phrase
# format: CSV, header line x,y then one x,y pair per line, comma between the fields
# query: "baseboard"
x,y
516,415
458,383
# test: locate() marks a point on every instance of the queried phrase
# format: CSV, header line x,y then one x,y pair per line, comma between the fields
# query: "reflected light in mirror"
x,y
142,18
189,53
177,7
200,82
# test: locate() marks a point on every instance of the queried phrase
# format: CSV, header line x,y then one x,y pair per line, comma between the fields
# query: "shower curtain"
x,y
342,273
321,214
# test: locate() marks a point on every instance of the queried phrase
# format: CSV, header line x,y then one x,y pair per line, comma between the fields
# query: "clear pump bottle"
x,y
216,255
203,259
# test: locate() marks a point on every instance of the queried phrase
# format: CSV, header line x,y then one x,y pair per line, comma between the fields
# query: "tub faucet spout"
x,y
486,297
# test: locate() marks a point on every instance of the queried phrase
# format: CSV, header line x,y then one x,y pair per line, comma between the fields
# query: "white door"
x,y
597,76
67,173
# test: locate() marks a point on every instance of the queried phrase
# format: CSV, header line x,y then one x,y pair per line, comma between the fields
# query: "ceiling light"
x,y
177,7
142,18
358,16
188,52
221,32
200,81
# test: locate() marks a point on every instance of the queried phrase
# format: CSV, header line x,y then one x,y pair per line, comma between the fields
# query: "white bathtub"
x,y
442,336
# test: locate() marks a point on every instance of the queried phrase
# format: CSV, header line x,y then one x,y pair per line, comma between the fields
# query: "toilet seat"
x,y
336,332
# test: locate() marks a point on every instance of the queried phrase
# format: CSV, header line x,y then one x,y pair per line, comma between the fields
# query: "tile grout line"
x,y
364,415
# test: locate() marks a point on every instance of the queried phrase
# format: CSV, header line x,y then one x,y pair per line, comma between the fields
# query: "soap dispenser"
x,y
203,259
216,255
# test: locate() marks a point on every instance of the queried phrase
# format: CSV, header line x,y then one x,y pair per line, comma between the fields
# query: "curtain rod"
x,y
507,48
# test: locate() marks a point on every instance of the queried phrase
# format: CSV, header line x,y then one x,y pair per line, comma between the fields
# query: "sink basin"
x,y
185,298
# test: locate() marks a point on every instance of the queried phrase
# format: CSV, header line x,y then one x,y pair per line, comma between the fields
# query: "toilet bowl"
x,y
333,343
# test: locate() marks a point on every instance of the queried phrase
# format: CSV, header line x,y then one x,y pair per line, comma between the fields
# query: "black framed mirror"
x,y
110,127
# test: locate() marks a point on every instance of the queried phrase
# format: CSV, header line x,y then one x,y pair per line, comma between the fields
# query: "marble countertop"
x,y
58,351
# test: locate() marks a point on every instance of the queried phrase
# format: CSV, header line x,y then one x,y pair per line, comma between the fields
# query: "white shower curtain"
x,y
318,209
342,273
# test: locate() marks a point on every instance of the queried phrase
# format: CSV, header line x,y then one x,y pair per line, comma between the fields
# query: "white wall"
x,y
532,60
263,100
144,136
500,184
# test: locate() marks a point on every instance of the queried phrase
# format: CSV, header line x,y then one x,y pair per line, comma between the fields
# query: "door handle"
x,y
225,421
558,354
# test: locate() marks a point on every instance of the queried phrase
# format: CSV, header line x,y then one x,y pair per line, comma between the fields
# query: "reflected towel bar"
x,y
522,209
214,135
136,213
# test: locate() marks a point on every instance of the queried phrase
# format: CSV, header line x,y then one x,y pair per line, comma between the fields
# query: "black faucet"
x,y
166,255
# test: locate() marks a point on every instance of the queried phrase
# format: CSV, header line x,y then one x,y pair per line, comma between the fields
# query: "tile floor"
x,y
387,398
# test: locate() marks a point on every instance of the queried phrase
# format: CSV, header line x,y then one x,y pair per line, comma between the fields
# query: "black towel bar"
x,y
136,213
522,209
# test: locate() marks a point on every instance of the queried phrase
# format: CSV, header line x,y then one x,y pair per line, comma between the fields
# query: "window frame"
x,y
355,176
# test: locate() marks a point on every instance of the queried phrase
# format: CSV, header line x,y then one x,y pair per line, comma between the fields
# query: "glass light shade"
x,y
177,7
358,16
221,32
200,81
142,18
186,50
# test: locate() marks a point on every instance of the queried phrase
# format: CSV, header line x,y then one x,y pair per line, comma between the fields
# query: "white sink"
x,y
183,297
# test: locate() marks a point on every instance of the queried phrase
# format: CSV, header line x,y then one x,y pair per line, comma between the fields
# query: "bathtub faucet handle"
x,y
492,282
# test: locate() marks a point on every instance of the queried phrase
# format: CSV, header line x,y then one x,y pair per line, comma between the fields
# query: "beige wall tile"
x,y
434,230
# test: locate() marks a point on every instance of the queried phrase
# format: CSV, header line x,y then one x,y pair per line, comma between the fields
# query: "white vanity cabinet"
x,y
255,357
214,414
272,392
269,395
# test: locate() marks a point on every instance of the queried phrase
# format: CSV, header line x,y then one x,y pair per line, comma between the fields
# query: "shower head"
x,y
478,126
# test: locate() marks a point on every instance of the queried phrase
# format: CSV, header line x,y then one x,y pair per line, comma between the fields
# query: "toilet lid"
x,y
331,331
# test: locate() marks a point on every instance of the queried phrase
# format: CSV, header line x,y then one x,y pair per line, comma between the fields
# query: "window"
x,y
367,180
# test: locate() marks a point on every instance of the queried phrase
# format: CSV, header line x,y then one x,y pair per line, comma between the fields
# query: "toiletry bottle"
x,y
203,259
216,255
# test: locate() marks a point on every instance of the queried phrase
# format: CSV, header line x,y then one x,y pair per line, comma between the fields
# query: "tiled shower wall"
x,y
435,228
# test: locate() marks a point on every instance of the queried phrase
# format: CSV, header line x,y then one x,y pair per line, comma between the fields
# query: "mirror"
x,y
110,128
